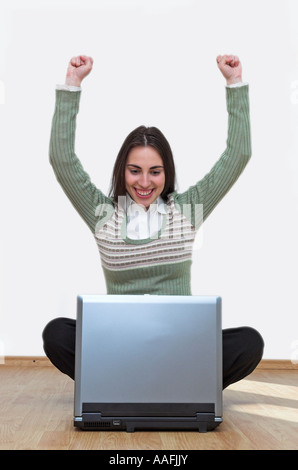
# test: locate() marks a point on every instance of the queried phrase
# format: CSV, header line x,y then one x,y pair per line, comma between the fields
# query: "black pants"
x,y
242,349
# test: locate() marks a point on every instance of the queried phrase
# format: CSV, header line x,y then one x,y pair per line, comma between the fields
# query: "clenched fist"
x,y
230,67
78,68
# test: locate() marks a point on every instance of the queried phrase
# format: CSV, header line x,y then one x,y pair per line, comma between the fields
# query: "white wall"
x,y
154,64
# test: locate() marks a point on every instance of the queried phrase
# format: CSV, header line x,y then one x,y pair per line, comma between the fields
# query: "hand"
x,y
78,68
230,67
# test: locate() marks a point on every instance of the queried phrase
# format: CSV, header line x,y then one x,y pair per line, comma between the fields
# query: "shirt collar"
x,y
157,206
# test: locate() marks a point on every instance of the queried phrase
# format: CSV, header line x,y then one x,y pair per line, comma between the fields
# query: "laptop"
x,y
148,362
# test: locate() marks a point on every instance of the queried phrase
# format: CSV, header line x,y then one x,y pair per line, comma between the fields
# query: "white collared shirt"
x,y
142,223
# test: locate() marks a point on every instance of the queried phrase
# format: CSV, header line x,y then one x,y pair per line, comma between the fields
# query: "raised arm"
x,y
69,171
212,188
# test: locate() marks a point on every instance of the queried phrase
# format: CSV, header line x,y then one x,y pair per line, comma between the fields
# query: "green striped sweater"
x,y
161,264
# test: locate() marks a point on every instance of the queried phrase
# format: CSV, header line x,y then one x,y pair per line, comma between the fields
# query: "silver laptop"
x,y
146,362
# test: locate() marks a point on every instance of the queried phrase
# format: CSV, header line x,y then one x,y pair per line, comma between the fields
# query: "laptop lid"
x,y
147,361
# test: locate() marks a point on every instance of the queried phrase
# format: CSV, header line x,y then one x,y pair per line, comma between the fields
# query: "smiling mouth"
x,y
144,194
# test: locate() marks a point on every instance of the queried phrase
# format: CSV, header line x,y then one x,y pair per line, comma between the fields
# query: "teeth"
x,y
144,193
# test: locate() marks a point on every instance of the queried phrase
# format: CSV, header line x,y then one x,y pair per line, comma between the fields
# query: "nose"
x,y
144,181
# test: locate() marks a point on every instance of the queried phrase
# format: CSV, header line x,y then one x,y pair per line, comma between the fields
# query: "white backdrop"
x,y
154,64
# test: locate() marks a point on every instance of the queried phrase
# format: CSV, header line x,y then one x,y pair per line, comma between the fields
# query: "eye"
x,y
155,173
134,172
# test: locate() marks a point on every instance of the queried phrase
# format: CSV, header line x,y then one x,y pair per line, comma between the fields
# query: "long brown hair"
x,y
143,136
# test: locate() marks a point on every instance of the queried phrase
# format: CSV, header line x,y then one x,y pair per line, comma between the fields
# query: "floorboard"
x,y
36,409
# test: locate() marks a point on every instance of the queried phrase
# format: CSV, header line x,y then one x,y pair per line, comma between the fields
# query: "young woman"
x,y
144,229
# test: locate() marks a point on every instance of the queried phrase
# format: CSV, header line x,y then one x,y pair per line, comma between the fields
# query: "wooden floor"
x,y
36,410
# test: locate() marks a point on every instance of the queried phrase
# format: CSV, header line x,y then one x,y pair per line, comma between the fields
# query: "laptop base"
x,y
202,423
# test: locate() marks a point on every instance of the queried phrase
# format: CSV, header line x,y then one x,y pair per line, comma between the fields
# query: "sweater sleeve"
x,y
75,182
215,184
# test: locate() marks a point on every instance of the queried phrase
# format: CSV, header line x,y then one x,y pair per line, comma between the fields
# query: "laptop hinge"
x,y
148,409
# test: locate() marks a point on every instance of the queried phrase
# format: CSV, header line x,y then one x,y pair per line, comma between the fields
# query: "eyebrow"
x,y
151,168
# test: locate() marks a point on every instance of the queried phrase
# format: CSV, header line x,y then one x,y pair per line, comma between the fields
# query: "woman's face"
x,y
144,175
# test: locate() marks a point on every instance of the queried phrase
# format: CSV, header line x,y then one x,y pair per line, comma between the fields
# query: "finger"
x,y
236,61
229,59
224,60
83,59
232,60
87,61
75,61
